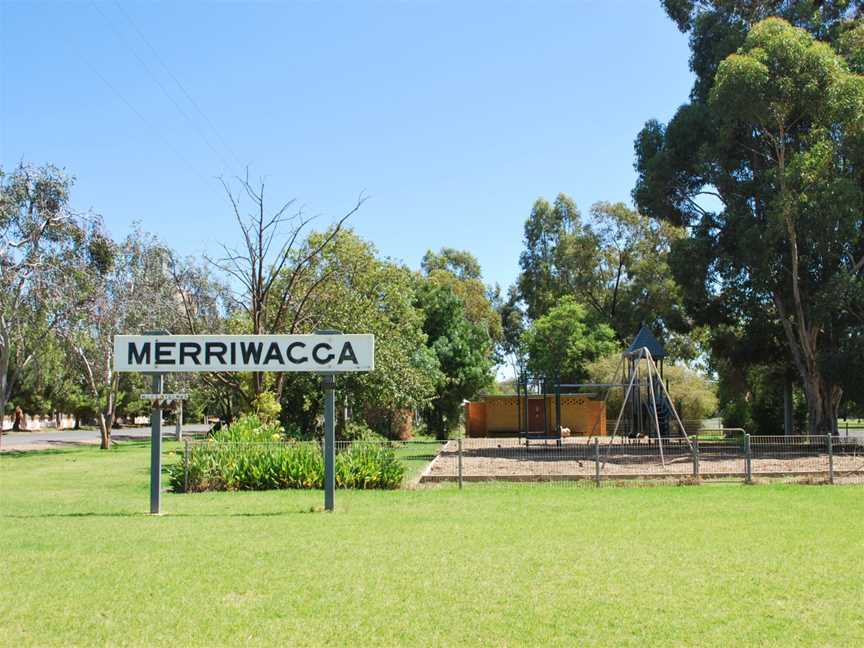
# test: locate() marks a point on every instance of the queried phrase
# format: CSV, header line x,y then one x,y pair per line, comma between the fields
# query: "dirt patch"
x,y
579,458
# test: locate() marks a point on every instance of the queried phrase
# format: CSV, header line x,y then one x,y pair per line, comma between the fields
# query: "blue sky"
x,y
452,117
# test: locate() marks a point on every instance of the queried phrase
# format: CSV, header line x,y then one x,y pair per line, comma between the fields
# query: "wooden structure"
x,y
495,416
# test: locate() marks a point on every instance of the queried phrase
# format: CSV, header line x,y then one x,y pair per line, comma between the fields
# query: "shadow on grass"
x,y
94,514
68,447
17,454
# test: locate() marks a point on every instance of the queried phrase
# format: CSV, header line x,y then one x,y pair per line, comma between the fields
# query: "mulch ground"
x,y
508,458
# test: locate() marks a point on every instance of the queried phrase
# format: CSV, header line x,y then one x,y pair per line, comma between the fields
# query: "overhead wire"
x,y
224,163
146,122
180,85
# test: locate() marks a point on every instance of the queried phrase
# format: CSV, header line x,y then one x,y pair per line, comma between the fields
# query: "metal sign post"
x,y
329,382
156,449
155,439
158,401
178,425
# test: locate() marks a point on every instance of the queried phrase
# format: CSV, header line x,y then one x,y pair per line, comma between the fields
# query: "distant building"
x,y
581,415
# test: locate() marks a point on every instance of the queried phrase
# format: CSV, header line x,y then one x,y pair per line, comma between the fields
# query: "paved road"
x,y
60,438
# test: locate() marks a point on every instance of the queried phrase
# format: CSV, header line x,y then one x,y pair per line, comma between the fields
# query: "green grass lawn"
x,y
491,565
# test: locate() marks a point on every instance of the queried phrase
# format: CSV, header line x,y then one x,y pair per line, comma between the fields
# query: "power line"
x,y
164,90
131,107
177,81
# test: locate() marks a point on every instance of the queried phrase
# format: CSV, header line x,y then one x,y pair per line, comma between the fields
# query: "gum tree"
x,y
269,270
134,293
615,263
766,174
43,246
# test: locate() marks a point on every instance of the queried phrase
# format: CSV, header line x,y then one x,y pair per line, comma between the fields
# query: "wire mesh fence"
x,y
605,461
725,455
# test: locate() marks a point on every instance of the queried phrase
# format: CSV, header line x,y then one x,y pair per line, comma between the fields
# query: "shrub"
x,y
360,431
368,465
247,456
267,406
249,429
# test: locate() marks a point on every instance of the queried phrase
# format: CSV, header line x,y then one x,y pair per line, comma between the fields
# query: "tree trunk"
x,y
104,431
788,422
823,398
823,403
4,383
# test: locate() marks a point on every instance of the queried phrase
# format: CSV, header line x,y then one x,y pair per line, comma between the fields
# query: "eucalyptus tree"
x,y
717,28
461,263
205,307
370,294
133,293
268,270
615,263
764,169
460,271
43,247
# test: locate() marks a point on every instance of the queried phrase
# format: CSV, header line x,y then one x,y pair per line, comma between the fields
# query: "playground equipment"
x,y
544,408
647,403
646,411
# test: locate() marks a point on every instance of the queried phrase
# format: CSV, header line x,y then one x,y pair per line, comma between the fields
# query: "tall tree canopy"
x,y
46,251
563,342
764,168
616,264
463,350
718,28
460,271
461,263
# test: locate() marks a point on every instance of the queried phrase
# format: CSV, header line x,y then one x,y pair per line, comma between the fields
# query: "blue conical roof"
x,y
644,338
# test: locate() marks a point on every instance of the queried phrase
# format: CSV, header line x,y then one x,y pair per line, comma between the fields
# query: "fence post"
x,y
178,429
830,459
597,460
696,457
186,466
748,461
459,461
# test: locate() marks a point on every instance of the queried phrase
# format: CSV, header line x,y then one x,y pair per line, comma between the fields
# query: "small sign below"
x,y
165,398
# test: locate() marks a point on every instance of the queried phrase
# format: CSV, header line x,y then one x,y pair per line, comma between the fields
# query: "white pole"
x,y
656,418
674,411
618,421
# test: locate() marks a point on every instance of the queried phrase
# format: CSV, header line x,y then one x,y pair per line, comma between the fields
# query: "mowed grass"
x,y
81,564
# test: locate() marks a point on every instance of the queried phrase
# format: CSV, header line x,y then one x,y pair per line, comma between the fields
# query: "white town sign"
x,y
320,353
